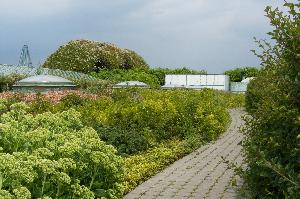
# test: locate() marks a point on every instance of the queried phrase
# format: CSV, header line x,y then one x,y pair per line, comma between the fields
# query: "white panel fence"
x,y
218,82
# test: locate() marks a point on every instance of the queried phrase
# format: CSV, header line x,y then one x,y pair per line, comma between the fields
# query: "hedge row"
x,y
272,99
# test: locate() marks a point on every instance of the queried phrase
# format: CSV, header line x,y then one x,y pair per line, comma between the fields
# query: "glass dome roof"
x,y
44,80
132,83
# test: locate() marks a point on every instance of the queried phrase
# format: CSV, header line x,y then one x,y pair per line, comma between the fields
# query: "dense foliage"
x,y
238,74
134,120
51,96
6,82
140,167
272,99
149,128
88,56
154,77
119,75
54,155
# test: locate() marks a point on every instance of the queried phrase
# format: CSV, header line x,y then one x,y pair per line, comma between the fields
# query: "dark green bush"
x,y
40,105
272,99
126,141
90,56
72,100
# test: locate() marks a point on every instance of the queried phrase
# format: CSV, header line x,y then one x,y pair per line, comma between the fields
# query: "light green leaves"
x,y
53,155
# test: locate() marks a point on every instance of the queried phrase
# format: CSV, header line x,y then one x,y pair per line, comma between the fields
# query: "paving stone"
x,y
203,173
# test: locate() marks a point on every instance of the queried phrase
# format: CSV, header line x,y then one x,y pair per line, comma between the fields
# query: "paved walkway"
x,y
202,174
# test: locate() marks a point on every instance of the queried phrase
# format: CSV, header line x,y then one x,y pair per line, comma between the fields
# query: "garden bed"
x,y
139,133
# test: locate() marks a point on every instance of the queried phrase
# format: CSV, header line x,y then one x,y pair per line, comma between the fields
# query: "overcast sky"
x,y
214,35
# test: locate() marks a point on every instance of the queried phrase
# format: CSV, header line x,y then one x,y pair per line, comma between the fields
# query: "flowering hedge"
x,y
88,56
52,96
54,155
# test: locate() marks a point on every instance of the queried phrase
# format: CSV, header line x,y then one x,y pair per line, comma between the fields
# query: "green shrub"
x,y
126,141
149,128
256,92
150,116
101,87
119,75
161,72
6,82
40,105
72,100
54,155
161,115
140,167
237,75
272,99
211,119
154,77
90,56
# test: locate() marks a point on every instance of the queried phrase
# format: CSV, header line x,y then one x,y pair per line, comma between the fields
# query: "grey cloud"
x,y
213,35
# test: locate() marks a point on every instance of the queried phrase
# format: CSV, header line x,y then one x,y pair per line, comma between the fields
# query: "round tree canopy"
x,y
90,56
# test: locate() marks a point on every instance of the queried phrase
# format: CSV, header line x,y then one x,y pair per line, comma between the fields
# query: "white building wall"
x,y
238,86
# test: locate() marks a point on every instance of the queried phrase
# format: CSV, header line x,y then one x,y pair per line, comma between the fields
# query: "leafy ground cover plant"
x,y
54,156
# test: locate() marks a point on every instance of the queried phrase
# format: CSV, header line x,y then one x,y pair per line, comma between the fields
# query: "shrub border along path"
x,y
202,174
